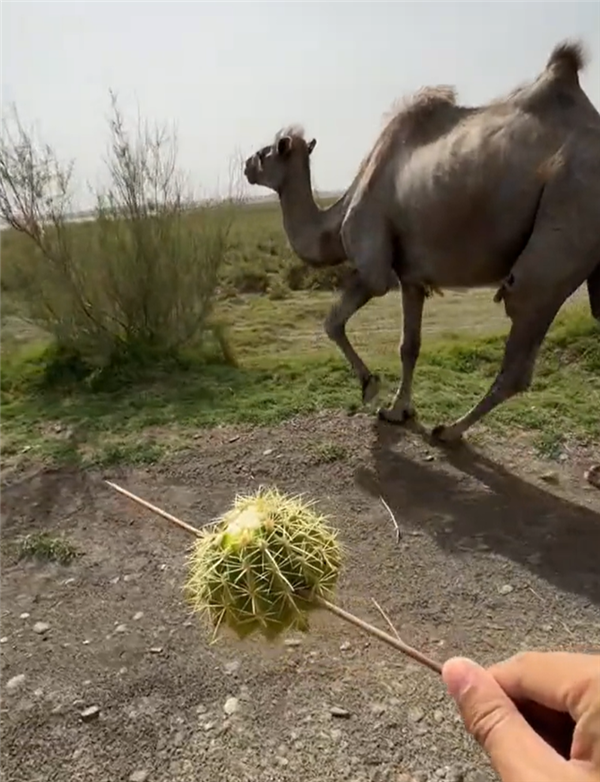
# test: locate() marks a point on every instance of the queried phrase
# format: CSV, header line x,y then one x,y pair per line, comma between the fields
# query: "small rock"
x,y
4,639
345,646
231,667
136,618
337,711
91,713
141,775
267,451
17,681
415,714
68,581
506,589
41,628
292,642
429,458
208,726
546,628
438,716
231,706
156,650
476,776
86,642
121,629
24,615
549,477
377,709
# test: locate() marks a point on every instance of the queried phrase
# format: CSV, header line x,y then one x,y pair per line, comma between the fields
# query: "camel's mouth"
x,y
250,172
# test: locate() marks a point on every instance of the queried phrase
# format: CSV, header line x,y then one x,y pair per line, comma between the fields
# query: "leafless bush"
x,y
136,282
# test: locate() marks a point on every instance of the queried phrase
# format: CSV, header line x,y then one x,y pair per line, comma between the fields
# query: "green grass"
x,y
142,422
46,548
287,366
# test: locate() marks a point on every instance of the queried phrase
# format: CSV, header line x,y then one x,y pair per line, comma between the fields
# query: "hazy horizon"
x,y
229,75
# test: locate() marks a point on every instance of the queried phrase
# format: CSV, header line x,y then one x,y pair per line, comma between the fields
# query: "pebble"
x,y
345,646
506,589
429,458
17,681
24,615
292,642
231,667
438,716
549,477
121,629
141,775
156,649
136,618
337,711
476,776
415,714
231,706
267,452
91,713
4,639
41,628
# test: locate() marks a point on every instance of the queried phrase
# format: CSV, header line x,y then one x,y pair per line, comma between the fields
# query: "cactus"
x,y
260,566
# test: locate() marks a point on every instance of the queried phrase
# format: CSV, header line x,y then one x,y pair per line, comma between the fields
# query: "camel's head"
x,y
271,166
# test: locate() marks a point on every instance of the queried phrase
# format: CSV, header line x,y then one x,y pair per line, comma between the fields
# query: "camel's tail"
x,y
567,59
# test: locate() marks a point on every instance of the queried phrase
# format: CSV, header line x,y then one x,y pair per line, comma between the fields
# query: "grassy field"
x,y
273,311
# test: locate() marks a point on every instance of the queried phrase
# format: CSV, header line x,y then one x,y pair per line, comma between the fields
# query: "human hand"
x,y
558,692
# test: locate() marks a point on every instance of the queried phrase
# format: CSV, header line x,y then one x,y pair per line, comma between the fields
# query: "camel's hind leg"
x,y
413,298
526,335
593,286
354,296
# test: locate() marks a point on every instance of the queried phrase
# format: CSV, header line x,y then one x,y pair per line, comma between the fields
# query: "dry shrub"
x,y
138,282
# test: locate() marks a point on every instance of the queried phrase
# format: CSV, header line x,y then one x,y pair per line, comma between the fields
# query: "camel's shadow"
x,y
550,536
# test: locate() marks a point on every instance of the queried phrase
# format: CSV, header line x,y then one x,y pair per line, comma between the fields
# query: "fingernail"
x,y
459,673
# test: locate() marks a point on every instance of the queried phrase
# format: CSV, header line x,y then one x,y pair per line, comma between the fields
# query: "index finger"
x,y
558,680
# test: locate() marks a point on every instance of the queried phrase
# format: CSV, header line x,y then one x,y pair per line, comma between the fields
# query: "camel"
x,y
503,195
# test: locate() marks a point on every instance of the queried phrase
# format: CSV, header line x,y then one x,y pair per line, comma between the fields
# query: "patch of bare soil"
x,y
491,560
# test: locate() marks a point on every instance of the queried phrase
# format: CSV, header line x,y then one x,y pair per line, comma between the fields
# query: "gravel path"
x,y
106,676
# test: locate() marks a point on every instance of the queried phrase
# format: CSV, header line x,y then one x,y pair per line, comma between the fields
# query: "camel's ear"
x,y
311,145
284,146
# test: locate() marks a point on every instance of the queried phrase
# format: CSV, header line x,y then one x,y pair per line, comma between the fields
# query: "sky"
x,y
229,75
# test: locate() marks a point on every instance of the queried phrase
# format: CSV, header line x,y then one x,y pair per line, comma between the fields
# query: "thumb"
x,y
516,751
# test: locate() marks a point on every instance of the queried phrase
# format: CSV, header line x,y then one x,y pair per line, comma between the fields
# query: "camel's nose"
x,y
250,170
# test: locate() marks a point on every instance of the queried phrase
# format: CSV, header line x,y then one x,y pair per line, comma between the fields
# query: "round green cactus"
x,y
259,568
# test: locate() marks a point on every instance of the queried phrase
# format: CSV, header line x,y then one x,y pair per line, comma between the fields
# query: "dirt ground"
x,y
498,552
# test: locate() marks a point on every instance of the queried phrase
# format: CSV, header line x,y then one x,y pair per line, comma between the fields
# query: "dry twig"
x,y
393,518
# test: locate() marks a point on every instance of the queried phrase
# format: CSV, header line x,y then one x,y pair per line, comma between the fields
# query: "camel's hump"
x,y
568,57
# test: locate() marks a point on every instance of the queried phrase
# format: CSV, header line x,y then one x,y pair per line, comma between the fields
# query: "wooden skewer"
x,y
396,643
154,509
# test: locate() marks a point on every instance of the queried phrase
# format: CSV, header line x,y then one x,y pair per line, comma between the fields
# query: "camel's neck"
x,y
314,233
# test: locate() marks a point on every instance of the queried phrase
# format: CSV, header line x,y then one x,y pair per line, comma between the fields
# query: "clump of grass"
x,y
549,445
328,452
47,548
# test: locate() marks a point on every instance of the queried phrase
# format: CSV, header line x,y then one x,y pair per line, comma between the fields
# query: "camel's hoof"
x,y
370,388
592,475
395,418
446,434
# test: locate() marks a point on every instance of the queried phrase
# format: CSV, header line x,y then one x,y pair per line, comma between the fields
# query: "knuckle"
x,y
486,719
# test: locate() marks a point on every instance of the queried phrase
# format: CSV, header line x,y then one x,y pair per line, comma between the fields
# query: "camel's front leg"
x,y
355,296
413,298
